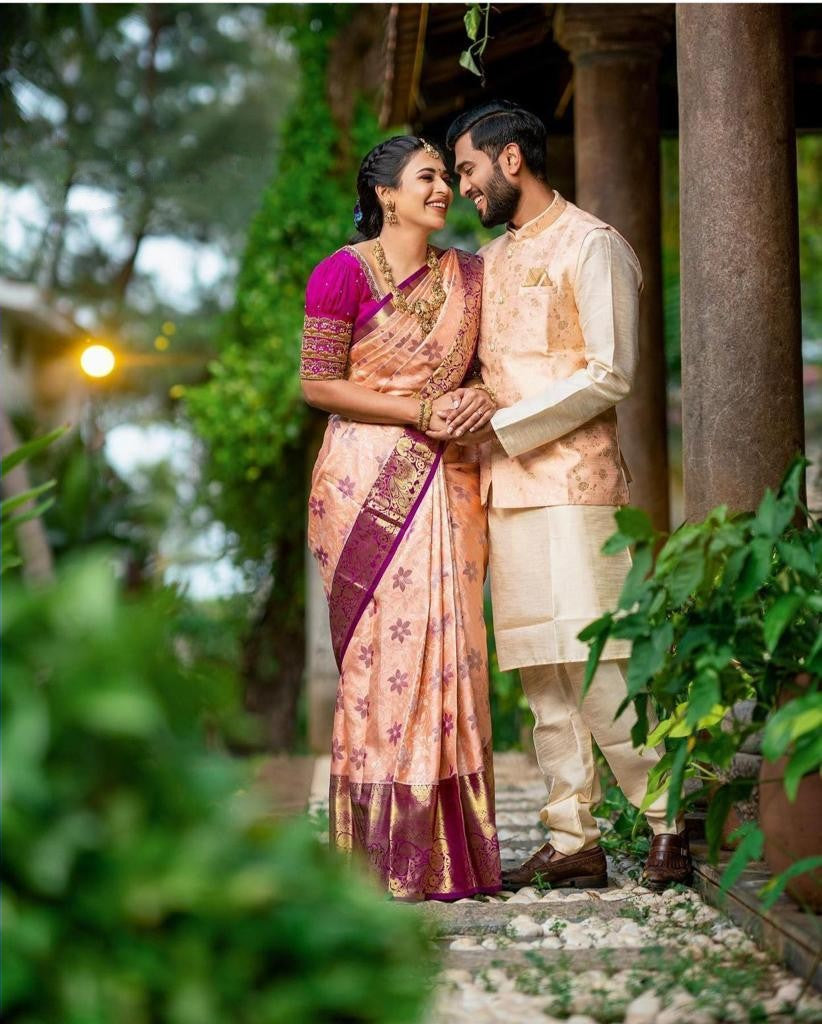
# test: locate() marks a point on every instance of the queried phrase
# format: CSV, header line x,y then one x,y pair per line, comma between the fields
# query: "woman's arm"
x,y
355,402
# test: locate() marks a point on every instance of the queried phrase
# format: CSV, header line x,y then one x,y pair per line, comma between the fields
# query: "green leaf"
x,y
779,616
806,758
797,557
615,543
675,781
652,796
10,504
648,656
593,660
32,513
756,569
29,450
661,731
600,625
473,20
632,587
703,696
791,485
686,576
718,808
751,843
773,515
794,719
467,61
771,892
634,523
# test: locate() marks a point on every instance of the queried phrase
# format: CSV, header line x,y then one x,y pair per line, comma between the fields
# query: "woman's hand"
x,y
465,409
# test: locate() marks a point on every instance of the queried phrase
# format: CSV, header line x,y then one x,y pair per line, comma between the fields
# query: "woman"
x,y
399,534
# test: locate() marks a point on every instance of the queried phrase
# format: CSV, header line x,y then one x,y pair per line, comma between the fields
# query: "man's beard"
x,y
501,199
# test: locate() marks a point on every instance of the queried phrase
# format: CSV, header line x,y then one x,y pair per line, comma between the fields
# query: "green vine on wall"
x,y
251,413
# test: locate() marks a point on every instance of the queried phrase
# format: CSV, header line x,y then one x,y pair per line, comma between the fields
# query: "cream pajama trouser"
x,y
562,739
549,579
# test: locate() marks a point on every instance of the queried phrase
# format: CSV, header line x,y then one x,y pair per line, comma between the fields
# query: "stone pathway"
x,y
606,956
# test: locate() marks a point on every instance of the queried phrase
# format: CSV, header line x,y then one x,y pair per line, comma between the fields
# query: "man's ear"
x,y
511,159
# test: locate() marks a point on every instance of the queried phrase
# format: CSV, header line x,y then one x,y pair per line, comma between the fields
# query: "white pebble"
x,y
523,927
644,1009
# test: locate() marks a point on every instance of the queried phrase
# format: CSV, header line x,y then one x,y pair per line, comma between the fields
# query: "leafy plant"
x,y
13,510
729,609
145,880
477,19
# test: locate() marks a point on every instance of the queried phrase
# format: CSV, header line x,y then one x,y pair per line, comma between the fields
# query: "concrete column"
x,y
741,331
615,50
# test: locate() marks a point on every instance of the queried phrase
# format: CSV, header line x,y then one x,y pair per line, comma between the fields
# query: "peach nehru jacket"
x,y
558,344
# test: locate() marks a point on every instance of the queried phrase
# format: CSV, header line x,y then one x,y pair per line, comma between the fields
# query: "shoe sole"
x,y
662,886
578,882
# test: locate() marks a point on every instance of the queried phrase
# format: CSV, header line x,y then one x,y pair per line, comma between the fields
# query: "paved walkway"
x,y
607,956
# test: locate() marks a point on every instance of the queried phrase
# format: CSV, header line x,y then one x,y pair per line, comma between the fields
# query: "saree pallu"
x,y
399,534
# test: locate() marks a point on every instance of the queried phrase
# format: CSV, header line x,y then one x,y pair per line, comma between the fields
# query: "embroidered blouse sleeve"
x,y
332,299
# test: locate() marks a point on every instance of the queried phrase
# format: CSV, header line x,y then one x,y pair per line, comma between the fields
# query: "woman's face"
x,y
424,193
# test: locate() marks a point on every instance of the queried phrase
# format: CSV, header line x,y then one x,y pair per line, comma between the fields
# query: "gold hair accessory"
x,y
391,212
431,150
424,310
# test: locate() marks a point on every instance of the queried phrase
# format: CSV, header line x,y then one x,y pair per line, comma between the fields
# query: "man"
x,y
558,346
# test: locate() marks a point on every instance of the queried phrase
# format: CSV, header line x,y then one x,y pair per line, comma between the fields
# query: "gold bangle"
x,y
424,417
427,414
480,386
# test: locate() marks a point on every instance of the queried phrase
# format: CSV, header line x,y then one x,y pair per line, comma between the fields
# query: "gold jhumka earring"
x,y
391,212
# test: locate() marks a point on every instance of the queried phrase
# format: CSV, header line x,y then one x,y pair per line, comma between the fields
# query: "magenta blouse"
x,y
341,296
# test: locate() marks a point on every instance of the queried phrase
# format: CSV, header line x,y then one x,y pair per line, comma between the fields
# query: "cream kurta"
x,y
558,343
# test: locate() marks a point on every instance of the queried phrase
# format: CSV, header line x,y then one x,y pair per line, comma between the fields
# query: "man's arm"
x,y
606,289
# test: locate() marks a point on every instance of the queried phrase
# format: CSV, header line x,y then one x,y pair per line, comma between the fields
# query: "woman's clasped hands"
x,y
462,415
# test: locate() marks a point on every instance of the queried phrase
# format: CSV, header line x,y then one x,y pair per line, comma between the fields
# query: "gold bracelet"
x,y
424,418
480,386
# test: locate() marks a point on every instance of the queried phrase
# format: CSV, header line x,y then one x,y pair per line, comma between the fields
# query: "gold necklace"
x,y
424,310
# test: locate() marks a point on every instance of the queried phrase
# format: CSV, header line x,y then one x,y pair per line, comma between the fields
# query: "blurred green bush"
x,y
144,882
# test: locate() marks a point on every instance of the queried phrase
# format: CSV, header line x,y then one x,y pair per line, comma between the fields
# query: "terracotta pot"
x,y
792,830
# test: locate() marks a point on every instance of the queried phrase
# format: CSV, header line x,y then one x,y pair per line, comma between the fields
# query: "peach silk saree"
x,y
399,535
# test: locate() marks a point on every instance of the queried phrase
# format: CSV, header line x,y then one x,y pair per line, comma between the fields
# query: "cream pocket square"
x,y
536,277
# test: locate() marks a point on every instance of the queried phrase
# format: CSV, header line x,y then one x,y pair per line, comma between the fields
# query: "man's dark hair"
x,y
493,125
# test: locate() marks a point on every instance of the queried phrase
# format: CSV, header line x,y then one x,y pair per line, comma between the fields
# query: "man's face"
x,y
483,181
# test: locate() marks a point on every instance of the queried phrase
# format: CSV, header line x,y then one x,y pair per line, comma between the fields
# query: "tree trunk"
x,y
38,565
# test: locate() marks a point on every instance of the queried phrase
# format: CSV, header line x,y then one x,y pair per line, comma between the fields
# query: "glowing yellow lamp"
x,y
97,361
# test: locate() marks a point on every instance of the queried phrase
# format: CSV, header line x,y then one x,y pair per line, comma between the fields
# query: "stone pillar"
x,y
741,331
322,676
615,50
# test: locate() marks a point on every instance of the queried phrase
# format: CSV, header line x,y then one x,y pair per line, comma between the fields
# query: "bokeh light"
x,y
97,361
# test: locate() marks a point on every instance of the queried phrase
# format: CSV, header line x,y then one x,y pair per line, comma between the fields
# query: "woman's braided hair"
x,y
382,166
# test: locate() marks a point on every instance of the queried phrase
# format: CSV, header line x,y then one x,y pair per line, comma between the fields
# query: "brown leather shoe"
x,y
669,862
587,869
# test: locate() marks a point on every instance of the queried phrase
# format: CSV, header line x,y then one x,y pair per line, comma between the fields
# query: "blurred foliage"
x,y
510,714
28,504
145,882
809,174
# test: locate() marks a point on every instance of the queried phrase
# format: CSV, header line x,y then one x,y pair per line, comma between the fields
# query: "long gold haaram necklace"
x,y
425,310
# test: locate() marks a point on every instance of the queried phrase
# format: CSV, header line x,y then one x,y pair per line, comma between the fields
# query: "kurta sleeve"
x,y
606,288
332,299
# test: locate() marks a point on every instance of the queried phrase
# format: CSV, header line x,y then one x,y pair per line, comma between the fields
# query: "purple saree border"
x,y
375,581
